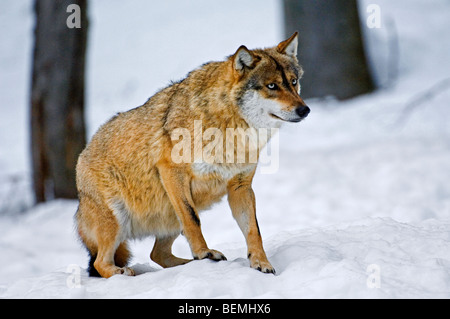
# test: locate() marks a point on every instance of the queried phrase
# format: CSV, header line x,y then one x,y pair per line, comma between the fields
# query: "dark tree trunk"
x,y
57,98
330,47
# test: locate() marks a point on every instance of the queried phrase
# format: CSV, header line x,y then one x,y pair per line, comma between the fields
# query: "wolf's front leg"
x,y
242,203
177,185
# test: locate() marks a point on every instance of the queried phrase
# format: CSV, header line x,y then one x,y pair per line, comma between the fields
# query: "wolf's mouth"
x,y
295,120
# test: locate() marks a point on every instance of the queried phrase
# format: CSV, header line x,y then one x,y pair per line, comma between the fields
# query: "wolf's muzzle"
x,y
302,111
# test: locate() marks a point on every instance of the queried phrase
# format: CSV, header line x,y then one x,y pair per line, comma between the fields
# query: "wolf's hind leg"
x,y
99,230
162,253
111,260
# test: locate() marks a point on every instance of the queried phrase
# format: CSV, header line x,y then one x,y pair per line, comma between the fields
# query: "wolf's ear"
x,y
289,46
243,58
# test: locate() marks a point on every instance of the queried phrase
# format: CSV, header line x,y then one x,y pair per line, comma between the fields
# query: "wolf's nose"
x,y
302,111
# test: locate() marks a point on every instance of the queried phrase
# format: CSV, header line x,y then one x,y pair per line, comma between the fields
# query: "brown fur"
x,y
129,186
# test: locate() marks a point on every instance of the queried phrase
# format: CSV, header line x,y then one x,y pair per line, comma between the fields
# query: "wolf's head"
x,y
268,90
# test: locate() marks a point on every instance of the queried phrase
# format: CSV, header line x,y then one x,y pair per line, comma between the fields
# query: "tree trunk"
x,y
330,47
57,98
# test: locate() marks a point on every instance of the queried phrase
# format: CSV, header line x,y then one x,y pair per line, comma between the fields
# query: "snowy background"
x,y
360,204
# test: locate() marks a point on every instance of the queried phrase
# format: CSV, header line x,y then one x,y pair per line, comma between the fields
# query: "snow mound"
x,y
371,258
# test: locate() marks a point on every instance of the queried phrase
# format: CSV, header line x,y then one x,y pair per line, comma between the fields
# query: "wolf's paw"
x,y
127,271
210,254
261,264
108,270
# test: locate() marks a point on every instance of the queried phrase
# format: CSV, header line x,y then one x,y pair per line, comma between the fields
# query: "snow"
x,y
358,208
329,261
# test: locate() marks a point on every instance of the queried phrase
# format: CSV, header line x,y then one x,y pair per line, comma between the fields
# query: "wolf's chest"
x,y
220,171
209,183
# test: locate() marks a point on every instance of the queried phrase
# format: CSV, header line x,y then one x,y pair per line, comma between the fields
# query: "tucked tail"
x,y
91,269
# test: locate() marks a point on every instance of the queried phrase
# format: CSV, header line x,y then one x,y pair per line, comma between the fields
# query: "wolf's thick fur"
x,y
130,187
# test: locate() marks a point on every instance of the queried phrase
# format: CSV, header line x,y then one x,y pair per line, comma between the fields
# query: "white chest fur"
x,y
223,171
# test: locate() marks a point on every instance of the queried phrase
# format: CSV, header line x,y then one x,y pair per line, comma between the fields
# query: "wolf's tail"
x,y
91,269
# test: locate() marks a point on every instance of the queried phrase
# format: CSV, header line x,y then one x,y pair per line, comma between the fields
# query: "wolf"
x,y
130,187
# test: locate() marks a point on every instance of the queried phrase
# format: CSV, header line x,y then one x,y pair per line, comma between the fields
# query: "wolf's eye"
x,y
294,82
272,86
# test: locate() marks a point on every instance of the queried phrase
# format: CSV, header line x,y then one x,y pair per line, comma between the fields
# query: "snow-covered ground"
x,y
360,204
